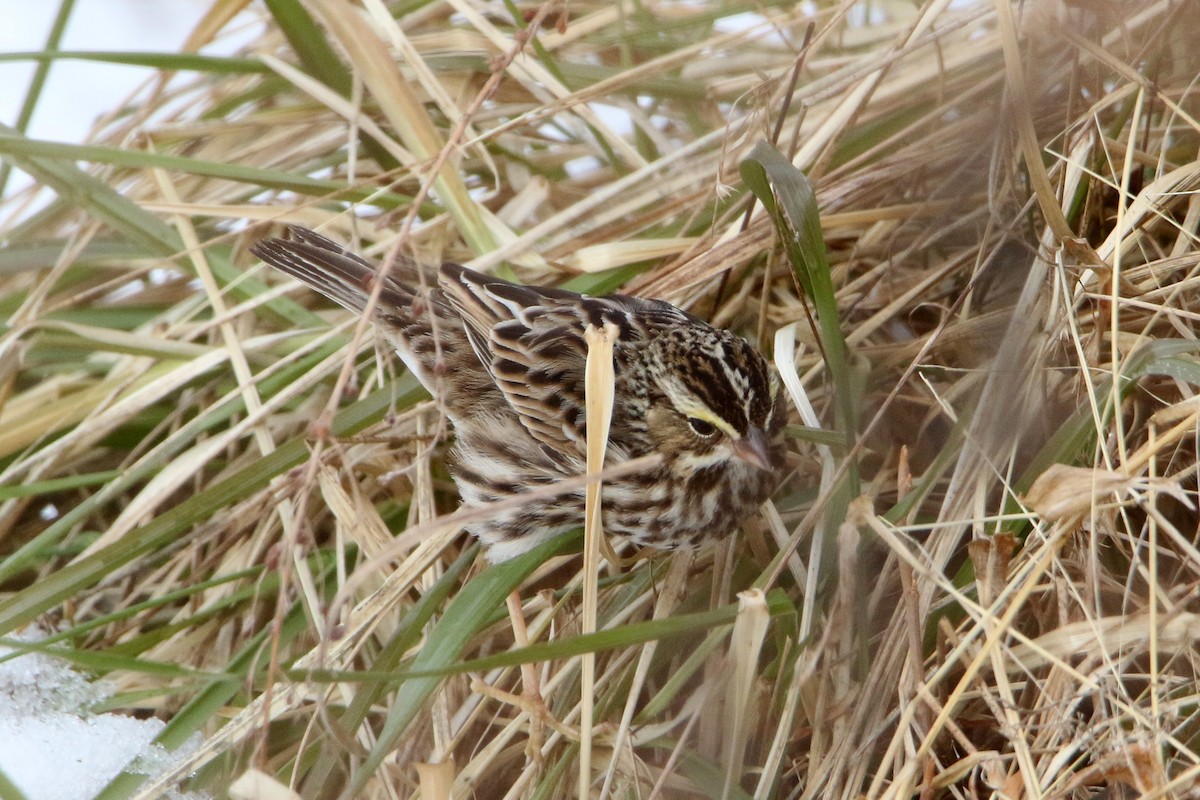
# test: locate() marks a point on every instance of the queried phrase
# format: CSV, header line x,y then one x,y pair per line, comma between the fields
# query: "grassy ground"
x,y
982,576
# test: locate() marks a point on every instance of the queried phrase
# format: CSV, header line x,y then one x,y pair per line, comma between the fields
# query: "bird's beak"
x,y
754,449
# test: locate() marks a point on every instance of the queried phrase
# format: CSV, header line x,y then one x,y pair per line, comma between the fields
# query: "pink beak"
x,y
754,449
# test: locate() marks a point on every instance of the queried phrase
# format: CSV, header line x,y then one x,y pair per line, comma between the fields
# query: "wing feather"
x,y
531,339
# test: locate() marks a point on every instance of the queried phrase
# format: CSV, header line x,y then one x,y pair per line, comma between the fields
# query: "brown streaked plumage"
x,y
506,362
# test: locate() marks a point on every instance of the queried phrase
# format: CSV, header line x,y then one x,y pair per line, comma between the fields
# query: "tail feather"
x,y
333,271
428,335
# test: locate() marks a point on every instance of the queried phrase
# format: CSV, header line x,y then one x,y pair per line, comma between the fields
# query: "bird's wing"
x,y
531,339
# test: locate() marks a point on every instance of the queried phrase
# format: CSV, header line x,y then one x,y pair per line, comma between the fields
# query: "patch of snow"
x,y
51,746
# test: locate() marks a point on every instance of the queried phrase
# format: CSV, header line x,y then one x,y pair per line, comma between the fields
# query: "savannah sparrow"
x,y
506,363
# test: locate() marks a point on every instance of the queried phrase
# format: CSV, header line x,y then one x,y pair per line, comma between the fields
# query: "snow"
x,y
51,746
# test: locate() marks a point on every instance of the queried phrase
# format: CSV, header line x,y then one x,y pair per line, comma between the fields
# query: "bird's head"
x,y
715,405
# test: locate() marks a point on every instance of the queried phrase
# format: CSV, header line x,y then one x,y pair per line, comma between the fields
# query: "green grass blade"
x,y
464,617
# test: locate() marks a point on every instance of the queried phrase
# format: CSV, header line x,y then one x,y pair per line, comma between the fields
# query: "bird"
x,y
505,364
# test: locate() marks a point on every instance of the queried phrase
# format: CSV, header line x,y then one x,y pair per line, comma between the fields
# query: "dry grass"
x,y
252,542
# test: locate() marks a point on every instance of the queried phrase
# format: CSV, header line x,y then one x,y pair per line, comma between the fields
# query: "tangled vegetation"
x,y
980,576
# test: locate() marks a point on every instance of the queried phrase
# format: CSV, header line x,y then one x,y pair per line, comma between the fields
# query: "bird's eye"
x,y
701,427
